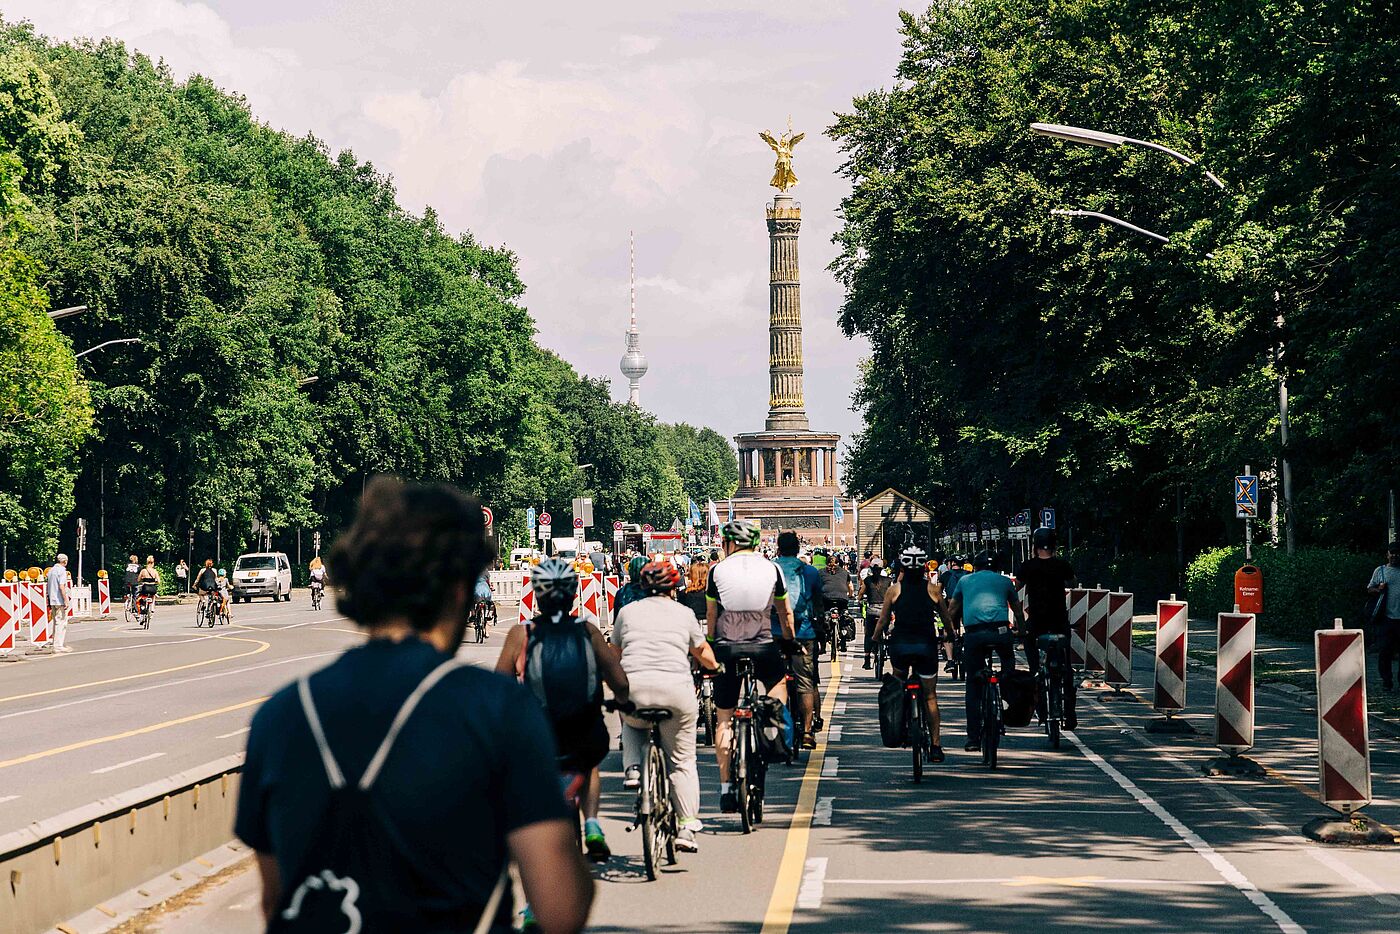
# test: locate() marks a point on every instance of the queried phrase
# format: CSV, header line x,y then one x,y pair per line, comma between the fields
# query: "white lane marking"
x,y
1227,869
234,733
847,669
222,635
1286,836
122,765
810,893
1023,880
821,814
9,798
833,735
840,708
830,767
164,684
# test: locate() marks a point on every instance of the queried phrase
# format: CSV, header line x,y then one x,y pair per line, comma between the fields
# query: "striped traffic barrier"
x,y
9,619
1096,630
1234,694
1343,745
1078,616
589,595
68,600
527,600
1169,670
1118,645
611,583
38,614
104,596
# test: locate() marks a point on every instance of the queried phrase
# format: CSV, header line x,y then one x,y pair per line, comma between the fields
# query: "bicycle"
x,y
145,601
848,627
916,729
129,608
705,704
476,625
746,766
992,726
1050,682
957,666
208,610
655,814
882,656
317,590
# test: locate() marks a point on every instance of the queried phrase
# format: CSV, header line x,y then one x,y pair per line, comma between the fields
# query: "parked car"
x,y
262,574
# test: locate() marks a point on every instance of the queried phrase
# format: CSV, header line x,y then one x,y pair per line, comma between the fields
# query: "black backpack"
x,y
358,874
562,669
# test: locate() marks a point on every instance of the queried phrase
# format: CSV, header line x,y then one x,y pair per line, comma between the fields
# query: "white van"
x,y
262,574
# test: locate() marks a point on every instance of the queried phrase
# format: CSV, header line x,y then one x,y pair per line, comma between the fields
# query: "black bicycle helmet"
x,y
983,561
1045,538
912,557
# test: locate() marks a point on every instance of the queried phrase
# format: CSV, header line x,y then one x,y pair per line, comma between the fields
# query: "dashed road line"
x,y
840,708
833,734
1023,881
122,765
821,814
810,894
234,733
831,767
9,798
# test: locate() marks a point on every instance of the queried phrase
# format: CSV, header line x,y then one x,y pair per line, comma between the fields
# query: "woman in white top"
x,y
657,637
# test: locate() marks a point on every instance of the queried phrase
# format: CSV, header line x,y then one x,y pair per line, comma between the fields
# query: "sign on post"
x,y
530,520
489,516
1246,496
1047,517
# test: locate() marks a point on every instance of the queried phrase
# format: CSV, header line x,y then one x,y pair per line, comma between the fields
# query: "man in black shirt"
x,y
423,815
1045,578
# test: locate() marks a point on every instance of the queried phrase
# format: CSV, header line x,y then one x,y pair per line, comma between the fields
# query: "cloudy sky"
x,y
555,127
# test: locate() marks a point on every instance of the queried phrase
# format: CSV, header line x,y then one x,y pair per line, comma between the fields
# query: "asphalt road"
x,y
1119,829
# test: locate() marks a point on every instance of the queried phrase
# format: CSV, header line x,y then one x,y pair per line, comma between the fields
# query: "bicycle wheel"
x,y
707,718
739,775
649,815
991,725
146,617
758,769
1056,715
913,728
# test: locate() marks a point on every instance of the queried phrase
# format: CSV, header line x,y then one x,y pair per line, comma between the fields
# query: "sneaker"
x,y
685,841
1071,722
729,803
632,778
868,665
527,919
973,746
596,844
809,741
935,754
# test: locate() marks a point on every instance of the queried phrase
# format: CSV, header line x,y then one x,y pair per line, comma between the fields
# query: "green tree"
x,y
704,460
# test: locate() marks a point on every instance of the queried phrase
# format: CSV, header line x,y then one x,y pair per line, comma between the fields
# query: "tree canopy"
x,y
1023,359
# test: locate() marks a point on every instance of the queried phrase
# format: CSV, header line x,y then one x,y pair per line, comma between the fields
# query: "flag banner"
x,y
836,509
714,515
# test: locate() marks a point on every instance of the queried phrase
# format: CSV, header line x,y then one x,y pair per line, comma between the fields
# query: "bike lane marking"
x,y
139,731
792,868
122,765
1227,869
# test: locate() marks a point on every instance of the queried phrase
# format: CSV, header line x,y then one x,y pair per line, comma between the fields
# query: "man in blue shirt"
x,y
804,584
981,600
57,588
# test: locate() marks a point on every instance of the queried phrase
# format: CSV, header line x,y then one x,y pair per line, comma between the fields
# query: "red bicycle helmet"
x,y
660,577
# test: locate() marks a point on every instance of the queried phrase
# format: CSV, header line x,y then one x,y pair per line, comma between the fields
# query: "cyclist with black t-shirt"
x,y
744,590
1045,578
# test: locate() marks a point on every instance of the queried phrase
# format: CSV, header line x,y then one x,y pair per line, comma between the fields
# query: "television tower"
x,y
634,362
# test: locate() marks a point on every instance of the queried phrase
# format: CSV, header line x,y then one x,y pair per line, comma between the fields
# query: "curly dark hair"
x,y
410,544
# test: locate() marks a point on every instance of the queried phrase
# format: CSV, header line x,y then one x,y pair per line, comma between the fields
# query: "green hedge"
x,y
1303,591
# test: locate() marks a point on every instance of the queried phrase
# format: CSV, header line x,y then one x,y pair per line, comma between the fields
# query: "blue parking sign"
x,y
1047,517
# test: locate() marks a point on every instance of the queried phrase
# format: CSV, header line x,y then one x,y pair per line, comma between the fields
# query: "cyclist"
x,y
744,590
804,587
1045,578
981,601
657,637
565,661
837,590
482,594
872,594
913,604
632,589
129,579
207,581
225,590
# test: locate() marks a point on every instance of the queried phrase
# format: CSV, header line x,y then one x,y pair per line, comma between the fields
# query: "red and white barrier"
x,y
1118,647
37,608
1234,682
1169,679
611,583
104,596
1096,630
527,600
1078,618
590,594
9,617
1344,752
68,600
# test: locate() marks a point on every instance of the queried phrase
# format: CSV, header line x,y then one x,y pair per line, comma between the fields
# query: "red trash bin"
x,y
1249,589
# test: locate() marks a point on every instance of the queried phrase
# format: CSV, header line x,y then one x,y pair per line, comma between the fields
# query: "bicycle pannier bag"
x,y
773,730
1018,696
892,711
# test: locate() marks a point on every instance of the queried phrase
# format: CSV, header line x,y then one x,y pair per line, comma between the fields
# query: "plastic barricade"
x,y
1169,672
1344,750
1118,646
1078,618
1234,682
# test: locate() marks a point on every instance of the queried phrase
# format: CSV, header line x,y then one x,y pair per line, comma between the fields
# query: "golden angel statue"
x,y
783,177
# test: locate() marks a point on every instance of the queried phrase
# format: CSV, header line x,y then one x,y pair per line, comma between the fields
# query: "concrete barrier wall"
x,y
63,866
506,585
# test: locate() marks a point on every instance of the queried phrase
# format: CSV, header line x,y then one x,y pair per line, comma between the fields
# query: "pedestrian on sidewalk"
x,y
1385,583
58,604
182,577
399,770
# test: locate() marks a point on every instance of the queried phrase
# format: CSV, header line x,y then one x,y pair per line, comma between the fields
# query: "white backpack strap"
x,y
333,773
493,904
426,685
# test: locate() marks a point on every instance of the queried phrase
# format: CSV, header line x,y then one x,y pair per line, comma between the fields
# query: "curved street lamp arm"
x,y
1110,219
119,340
1178,156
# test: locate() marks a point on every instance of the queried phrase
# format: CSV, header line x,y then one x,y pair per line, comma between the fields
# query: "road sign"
x,y
617,526
546,519
1020,524
489,516
1047,517
583,509
530,520
648,528
1246,496
545,529
578,522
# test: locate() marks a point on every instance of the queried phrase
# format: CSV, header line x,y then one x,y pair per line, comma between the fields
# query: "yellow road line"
x,y
262,647
778,918
58,750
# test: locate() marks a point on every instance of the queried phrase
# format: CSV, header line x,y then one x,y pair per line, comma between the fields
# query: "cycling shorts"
x,y
922,659
769,668
806,667
582,742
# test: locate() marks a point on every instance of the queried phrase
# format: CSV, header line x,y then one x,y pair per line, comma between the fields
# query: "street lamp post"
x,y
119,340
60,313
1085,137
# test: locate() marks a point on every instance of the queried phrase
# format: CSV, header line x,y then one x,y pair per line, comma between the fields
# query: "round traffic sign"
x,y
546,519
488,515
648,528
617,526
578,523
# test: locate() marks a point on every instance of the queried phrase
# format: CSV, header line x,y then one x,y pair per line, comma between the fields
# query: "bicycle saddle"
x,y
1051,640
653,714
